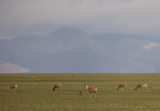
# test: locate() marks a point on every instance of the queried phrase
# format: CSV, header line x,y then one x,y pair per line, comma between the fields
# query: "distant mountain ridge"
x,y
71,50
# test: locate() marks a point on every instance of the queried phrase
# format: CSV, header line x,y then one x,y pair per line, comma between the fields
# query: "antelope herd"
x,y
124,85
93,89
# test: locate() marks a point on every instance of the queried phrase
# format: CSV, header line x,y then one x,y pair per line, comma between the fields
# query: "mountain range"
x,y
71,50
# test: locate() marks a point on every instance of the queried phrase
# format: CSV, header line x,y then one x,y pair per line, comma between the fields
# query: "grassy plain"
x,y
35,94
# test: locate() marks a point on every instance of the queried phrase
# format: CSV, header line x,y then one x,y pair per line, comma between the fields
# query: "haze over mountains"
x,y
71,50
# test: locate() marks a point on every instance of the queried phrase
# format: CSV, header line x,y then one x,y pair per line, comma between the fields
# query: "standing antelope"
x,y
91,89
73,75
121,86
142,85
13,86
80,94
57,86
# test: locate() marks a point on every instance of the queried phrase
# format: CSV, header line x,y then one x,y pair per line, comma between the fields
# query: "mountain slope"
x,y
70,50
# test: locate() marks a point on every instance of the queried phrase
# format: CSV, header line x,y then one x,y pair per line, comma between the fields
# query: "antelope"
x,y
73,75
80,94
142,85
13,86
57,86
121,86
91,89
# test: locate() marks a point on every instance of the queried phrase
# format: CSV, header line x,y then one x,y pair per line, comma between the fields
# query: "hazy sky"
x,y
27,17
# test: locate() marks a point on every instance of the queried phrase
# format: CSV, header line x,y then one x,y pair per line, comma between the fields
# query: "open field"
x,y
35,94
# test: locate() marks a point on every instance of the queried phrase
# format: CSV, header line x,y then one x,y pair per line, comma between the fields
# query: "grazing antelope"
x,y
80,94
57,86
91,89
121,86
13,86
142,85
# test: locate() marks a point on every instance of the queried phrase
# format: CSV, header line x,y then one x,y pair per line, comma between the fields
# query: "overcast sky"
x,y
29,17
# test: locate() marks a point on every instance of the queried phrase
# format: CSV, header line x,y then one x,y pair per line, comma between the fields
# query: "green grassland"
x,y
35,94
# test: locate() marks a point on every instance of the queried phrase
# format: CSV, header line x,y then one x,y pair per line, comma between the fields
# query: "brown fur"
x,y
121,86
59,85
91,89
142,85
13,86
73,75
80,94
